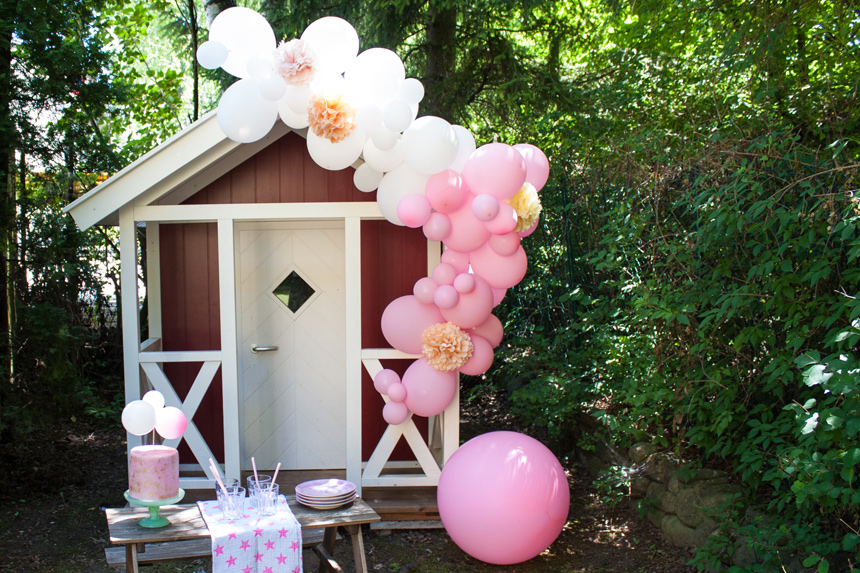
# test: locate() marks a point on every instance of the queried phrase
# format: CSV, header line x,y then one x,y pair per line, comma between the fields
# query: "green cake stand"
x,y
154,520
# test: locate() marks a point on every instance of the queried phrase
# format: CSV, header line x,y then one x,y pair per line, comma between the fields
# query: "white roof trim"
x,y
166,168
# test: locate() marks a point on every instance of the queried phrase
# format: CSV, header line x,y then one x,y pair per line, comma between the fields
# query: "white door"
x,y
291,296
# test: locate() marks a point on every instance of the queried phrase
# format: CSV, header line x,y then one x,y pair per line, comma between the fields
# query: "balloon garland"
x,y
478,201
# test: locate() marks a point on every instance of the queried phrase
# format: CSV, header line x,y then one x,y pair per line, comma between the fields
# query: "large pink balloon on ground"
x,y
503,497
403,321
428,391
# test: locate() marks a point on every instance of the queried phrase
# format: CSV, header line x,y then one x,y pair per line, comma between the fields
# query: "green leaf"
x,y
849,542
851,457
811,560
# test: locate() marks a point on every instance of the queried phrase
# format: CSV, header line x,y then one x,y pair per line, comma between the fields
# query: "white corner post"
x,y
153,279
129,305
229,348
352,252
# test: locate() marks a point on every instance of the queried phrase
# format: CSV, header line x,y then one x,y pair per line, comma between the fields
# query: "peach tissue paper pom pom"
x,y
331,117
294,62
445,346
527,205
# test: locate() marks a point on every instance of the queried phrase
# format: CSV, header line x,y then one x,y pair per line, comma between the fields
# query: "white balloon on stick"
x,y
243,114
155,398
138,417
334,43
244,32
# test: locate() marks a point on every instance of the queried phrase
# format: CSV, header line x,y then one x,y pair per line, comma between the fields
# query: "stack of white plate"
x,y
325,493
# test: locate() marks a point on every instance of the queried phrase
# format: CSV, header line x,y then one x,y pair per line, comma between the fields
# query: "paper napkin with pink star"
x,y
254,543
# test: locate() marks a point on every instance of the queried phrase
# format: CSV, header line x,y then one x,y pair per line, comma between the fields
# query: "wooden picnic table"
x,y
187,535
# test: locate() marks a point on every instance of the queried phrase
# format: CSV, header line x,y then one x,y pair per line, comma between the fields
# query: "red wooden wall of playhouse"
x,y
393,258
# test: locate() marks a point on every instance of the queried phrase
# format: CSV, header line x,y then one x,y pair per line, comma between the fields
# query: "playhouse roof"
x,y
170,173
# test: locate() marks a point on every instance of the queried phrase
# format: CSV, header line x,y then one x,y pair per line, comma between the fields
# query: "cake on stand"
x,y
154,520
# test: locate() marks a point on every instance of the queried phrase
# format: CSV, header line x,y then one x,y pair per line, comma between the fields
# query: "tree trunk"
x,y
441,57
195,68
8,17
215,7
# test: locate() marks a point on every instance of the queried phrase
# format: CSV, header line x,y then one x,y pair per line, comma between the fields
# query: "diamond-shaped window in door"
x,y
293,291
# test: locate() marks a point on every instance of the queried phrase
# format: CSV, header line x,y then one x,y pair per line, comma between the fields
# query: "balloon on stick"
x,y
138,417
170,423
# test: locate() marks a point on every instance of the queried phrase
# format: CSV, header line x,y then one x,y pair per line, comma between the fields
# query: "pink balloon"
x,y
498,296
505,245
170,422
499,271
529,231
397,392
424,289
443,274
467,232
482,357
395,413
428,391
413,210
485,207
437,227
458,260
537,165
503,466
495,168
405,319
446,296
505,222
491,330
473,308
464,283
445,191
385,378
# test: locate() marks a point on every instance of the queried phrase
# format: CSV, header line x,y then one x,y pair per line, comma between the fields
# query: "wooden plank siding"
x,y
393,258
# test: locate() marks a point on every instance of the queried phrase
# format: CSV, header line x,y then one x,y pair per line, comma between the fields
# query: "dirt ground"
x,y
58,482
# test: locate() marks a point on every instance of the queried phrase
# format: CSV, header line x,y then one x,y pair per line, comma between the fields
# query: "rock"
x,y
660,467
743,556
667,502
687,507
717,497
674,484
680,534
655,491
639,451
639,486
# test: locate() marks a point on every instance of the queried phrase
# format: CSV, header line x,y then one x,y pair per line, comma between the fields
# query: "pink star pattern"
x,y
297,569
268,570
282,559
231,561
258,532
219,550
294,545
248,569
246,545
232,535
283,531
259,556
270,544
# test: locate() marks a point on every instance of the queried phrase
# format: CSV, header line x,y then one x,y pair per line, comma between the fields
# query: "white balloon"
x,y
429,145
412,90
336,156
138,417
366,178
394,186
334,43
155,398
368,118
465,147
259,65
244,32
298,98
385,139
273,87
243,114
397,115
211,54
376,75
296,120
382,159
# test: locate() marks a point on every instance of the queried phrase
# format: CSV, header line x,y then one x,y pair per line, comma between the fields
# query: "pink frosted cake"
x,y
153,473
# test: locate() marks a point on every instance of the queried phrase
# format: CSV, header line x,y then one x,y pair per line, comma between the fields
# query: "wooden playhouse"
x,y
267,276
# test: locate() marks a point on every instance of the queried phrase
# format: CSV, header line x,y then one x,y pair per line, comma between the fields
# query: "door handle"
x,y
257,349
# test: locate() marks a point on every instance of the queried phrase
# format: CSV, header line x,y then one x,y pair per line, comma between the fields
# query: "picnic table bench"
x,y
187,535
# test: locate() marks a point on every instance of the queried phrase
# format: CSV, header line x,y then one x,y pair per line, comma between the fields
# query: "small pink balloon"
x,y
424,289
413,210
458,260
495,168
464,283
446,296
397,392
499,271
437,227
491,330
505,222
395,413
505,245
467,232
499,296
170,422
444,274
428,391
445,191
405,319
473,308
485,207
385,378
537,165
482,357
529,231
